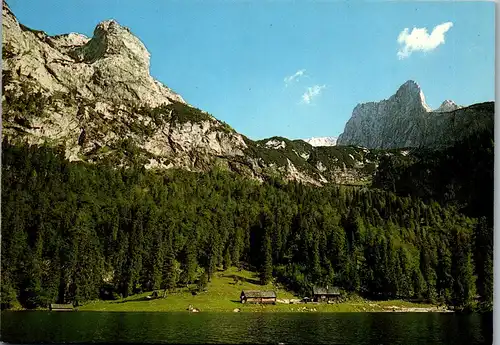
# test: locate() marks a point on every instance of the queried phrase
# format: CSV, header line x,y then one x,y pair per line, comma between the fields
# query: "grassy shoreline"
x,y
223,295
176,306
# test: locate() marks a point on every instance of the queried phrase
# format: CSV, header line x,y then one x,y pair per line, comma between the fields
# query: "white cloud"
x,y
420,40
311,93
293,77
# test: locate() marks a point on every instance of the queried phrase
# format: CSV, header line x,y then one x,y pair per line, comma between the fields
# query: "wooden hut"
x,y
322,294
257,296
61,307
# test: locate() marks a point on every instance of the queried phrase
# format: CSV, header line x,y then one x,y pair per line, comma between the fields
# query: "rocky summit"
x,y
405,120
111,66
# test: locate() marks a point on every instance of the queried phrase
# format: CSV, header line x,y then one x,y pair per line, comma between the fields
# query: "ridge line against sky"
x,y
296,70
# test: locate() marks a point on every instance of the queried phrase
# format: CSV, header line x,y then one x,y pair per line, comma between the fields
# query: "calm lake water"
x,y
256,328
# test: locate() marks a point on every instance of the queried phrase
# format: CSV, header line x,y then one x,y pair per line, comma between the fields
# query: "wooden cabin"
x,y
61,307
322,294
257,296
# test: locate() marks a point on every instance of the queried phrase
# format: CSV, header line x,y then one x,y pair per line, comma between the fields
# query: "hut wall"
x,y
268,300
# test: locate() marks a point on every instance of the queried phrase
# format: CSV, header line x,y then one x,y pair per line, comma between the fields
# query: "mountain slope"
x,y
405,120
96,98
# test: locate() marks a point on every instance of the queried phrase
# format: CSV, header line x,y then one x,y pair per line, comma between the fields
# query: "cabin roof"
x,y
317,290
61,306
258,294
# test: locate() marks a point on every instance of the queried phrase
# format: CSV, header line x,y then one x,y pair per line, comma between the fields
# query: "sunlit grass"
x,y
223,296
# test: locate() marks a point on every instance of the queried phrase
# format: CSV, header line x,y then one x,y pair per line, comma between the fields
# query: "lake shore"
x,y
223,295
174,306
183,304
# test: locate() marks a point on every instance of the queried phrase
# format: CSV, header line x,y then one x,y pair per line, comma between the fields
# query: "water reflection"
x,y
244,328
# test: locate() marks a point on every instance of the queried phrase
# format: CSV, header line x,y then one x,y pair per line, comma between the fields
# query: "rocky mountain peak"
x,y
410,85
111,40
411,95
447,105
112,66
405,120
96,98
321,141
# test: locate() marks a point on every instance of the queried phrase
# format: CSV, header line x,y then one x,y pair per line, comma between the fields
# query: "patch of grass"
x,y
223,294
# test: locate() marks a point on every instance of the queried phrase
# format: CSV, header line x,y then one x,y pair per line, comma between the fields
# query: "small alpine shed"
x,y
257,296
322,294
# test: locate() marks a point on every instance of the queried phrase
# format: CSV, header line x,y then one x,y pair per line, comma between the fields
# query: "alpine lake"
x,y
29,327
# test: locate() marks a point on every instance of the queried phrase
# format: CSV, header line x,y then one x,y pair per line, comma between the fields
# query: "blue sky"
x,y
231,58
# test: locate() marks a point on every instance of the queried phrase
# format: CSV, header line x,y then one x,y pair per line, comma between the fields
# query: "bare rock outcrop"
x,y
405,120
94,96
389,123
112,65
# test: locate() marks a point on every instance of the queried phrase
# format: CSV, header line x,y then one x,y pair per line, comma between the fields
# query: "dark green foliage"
x,y
460,176
7,53
318,161
266,270
70,230
177,113
189,262
182,113
8,295
280,156
202,282
23,106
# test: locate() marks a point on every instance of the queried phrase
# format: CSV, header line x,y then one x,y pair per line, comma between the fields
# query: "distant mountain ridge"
x,y
322,141
405,120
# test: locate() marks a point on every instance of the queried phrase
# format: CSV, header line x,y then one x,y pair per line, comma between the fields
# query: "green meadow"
x,y
223,295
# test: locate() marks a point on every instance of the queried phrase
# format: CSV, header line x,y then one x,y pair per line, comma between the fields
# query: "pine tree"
x,y
226,262
202,282
190,264
266,271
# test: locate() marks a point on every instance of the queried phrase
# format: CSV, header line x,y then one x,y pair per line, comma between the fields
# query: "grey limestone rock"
x,y
405,120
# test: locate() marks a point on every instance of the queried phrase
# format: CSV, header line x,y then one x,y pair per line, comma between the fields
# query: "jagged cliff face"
x,y
112,66
405,120
96,98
